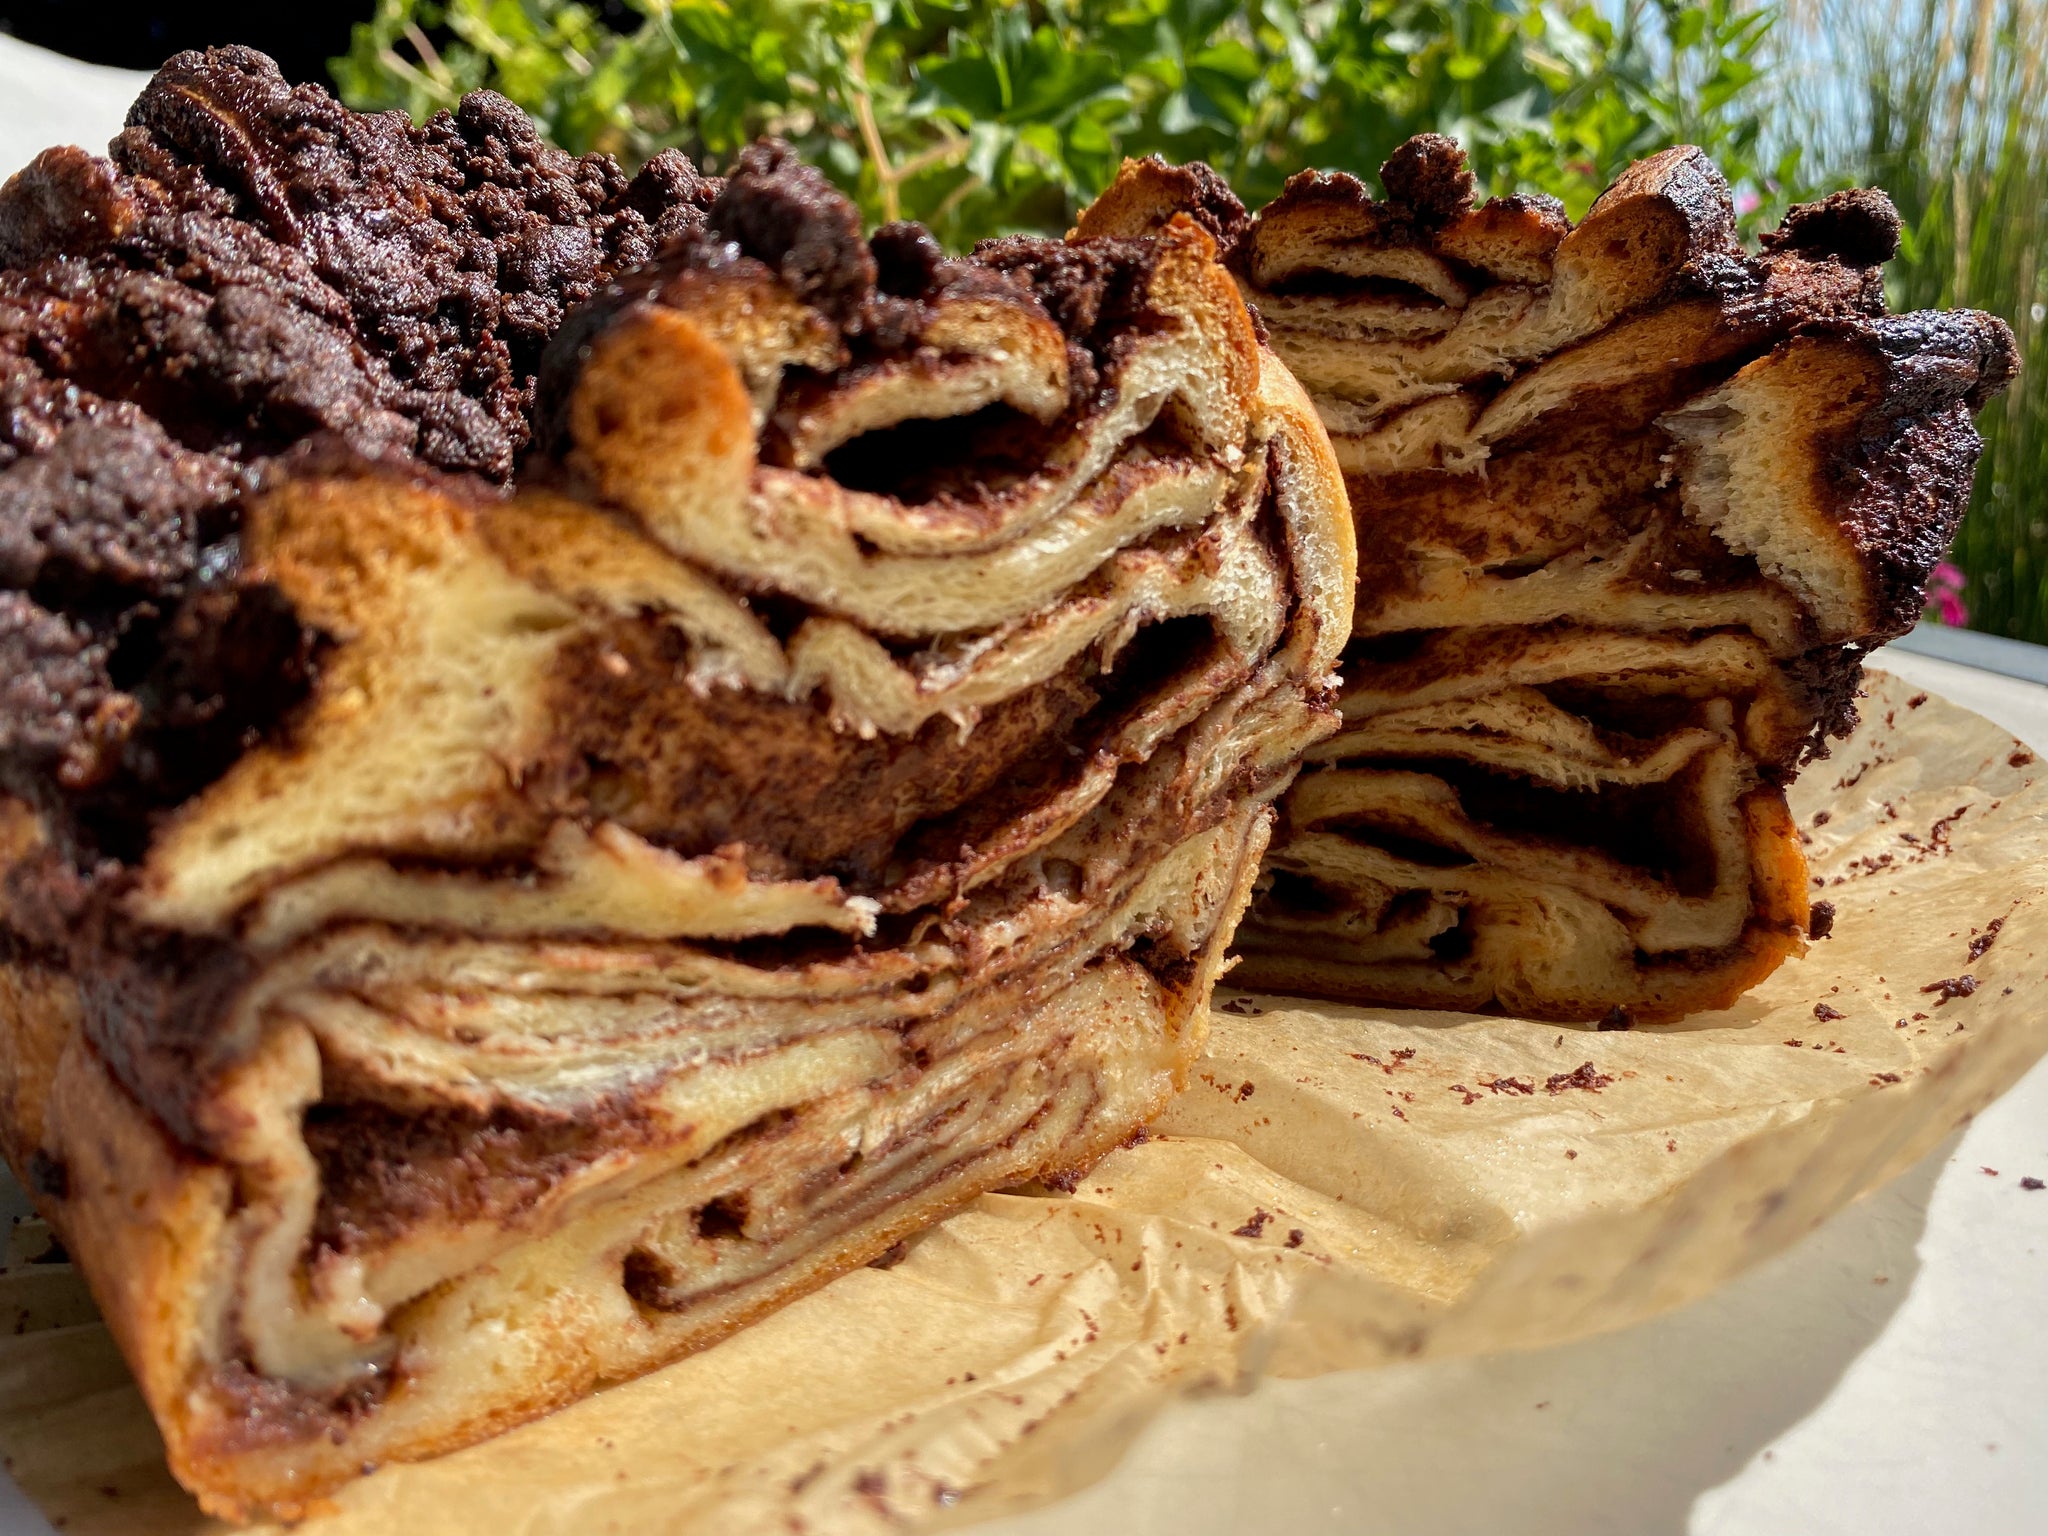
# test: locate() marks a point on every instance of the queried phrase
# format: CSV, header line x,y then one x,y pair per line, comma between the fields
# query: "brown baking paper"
x,y
1338,1187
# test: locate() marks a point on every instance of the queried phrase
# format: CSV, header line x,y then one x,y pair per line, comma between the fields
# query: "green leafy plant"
x,y
982,117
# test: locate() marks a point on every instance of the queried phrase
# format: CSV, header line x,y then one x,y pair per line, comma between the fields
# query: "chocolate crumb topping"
x,y
1429,178
786,214
1821,920
1205,197
908,259
1860,227
253,265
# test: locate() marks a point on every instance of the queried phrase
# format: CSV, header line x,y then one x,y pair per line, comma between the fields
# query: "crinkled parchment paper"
x,y
1337,1188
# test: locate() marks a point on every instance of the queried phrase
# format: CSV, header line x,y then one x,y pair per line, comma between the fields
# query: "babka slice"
x,y
1632,504
823,790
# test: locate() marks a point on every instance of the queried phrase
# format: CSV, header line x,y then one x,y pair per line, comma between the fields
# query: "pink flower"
x,y
1747,203
1945,605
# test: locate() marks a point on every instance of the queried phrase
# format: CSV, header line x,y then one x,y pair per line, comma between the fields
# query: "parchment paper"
x,y
1339,1187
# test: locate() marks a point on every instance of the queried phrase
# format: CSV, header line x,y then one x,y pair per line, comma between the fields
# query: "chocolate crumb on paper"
x,y
2028,1181
1826,1014
1583,1076
1951,987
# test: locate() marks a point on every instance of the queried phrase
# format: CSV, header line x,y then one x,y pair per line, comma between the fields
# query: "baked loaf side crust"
x,y
1633,502
821,791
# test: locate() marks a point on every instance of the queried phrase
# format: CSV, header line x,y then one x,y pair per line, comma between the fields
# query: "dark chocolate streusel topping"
x,y
253,265
257,268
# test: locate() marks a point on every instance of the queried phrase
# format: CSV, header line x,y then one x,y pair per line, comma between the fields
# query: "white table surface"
x,y
1888,1375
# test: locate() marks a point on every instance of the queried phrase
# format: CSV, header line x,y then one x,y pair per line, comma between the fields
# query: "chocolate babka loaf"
x,y
1633,503
463,945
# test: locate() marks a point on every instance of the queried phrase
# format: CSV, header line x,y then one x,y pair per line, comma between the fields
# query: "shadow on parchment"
x,y
1615,1435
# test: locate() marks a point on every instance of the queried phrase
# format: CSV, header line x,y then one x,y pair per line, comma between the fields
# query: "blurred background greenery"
x,y
987,116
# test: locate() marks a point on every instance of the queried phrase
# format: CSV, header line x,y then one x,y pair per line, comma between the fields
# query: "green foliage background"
x,y
984,117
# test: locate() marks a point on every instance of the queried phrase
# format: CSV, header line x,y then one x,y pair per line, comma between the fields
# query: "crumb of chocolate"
x,y
1242,1007
1916,701
1827,1015
1880,1079
1295,1238
1822,818
1986,939
1797,1045
1254,1226
1569,1152
1992,1171
1951,987
787,215
890,1257
1509,1085
1428,177
2028,1181
1470,1096
1820,921
2020,760
1859,226
1583,1076
1245,1091
1617,1017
